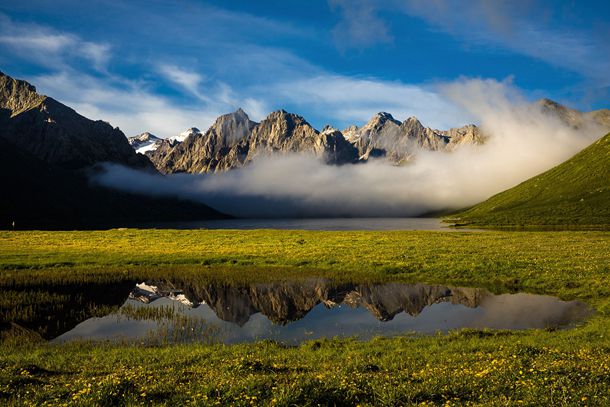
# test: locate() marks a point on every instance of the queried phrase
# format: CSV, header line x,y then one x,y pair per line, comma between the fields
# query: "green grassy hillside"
x,y
573,194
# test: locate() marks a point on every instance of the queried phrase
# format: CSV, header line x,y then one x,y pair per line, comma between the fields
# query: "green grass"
x,y
557,262
575,194
567,367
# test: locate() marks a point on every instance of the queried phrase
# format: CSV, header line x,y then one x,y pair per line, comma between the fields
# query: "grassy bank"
x,y
574,194
534,367
569,264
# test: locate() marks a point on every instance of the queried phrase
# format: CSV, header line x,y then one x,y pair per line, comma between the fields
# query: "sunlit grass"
x,y
574,194
465,367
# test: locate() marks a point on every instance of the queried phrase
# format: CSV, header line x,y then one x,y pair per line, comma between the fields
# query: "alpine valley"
x,y
307,203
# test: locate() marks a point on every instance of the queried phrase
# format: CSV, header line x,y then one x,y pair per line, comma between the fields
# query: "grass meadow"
x,y
484,367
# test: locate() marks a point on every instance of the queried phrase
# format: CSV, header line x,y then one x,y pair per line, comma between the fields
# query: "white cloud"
x,y
187,80
355,100
49,47
518,26
128,105
268,78
38,42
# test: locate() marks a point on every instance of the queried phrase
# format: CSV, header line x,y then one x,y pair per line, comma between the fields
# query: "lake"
x,y
310,224
178,311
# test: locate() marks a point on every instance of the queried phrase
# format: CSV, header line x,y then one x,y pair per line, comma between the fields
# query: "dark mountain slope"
x,y
56,133
43,196
46,152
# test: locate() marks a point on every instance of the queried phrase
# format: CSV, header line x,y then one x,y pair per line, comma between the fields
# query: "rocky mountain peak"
x,y
144,142
57,134
146,136
327,129
192,130
380,120
280,125
238,116
575,118
385,116
544,102
231,127
412,123
240,112
282,115
17,96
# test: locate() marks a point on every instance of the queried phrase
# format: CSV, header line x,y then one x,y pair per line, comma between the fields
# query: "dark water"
x,y
169,311
311,224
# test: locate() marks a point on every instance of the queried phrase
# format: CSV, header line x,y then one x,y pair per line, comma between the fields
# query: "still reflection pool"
x,y
164,311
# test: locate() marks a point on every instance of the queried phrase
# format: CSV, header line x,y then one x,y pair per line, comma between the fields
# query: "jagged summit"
x,y
234,140
146,136
548,102
573,117
384,116
412,119
189,131
17,95
327,129
381,119
282,114
144,142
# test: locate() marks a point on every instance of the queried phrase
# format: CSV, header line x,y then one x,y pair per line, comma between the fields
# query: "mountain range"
x,y
49,152
234,141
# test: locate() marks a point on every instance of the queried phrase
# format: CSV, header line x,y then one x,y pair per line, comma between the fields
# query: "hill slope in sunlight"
x,y
575,193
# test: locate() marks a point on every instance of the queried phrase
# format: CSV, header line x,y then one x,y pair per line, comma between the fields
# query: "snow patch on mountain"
x,y
182,136
147,142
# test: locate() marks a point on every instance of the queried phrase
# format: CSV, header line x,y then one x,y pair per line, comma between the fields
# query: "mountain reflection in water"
x,y
293,311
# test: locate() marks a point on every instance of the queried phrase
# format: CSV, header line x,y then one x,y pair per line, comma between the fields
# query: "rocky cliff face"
x,y
289,133
576,118
207,152
234,140
57,134
384,136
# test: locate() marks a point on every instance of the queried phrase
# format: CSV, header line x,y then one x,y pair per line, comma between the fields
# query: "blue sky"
x,y
163,66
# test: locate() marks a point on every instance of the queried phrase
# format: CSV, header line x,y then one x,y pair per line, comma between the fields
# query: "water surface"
x,y
165,311
311,224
